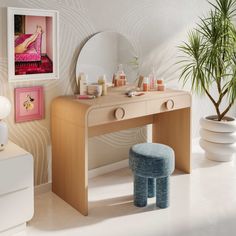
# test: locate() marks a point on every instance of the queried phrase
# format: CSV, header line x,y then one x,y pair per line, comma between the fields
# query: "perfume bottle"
x,y
146,84
152,79
121,75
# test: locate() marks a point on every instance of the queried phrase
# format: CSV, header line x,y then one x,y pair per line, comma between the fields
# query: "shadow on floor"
x,y
118,177
62,217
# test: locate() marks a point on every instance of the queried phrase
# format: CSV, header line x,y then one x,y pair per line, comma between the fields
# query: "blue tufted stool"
x,y
152,164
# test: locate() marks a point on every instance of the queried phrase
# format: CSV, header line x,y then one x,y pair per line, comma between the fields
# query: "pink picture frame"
x,y
29,104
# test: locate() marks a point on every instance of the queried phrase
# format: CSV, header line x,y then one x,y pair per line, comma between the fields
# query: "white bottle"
x,y
83,84
103,81
78,80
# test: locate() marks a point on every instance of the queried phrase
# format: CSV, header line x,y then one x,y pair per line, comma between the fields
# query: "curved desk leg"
x,y
173,128
69,163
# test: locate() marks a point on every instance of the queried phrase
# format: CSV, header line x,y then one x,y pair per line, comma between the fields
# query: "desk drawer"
x,y
168,104
104,115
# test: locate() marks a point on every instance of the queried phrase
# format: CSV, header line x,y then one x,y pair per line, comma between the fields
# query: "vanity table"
x,y
74,121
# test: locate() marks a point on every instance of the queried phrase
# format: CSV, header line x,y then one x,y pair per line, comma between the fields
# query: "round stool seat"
x,y
151,160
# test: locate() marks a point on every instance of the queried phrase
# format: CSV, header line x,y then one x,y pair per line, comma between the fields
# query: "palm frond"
x,y
209,55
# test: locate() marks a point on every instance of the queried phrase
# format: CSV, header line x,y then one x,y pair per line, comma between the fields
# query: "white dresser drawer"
x,y
16,173
16,208
168,104
105,115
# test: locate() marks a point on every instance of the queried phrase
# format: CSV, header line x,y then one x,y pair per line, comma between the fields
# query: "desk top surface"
x,y
117,96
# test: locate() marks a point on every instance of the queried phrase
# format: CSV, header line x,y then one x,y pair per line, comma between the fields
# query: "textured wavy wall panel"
x,y
154,27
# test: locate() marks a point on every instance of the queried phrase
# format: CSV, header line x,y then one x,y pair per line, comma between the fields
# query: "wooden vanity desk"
x,y
73,121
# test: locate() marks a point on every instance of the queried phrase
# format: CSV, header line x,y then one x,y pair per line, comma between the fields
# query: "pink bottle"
x,y
152,79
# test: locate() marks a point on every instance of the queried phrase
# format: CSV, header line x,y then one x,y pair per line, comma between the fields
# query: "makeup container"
x,y
160,81
161,87
85,96
94,89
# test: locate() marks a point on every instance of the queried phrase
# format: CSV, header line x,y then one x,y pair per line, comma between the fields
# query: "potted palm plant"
x,y
209,65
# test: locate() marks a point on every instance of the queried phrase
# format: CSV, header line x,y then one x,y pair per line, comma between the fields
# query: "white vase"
x,y
218,138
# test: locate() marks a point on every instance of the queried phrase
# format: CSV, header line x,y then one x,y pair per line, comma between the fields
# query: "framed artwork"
x,y
29,104
33,47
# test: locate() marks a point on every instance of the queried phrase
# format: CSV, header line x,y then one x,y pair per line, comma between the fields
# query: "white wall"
x,y
154,27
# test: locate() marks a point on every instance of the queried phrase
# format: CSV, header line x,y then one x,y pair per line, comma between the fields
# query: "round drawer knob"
x,y
170,104
119,113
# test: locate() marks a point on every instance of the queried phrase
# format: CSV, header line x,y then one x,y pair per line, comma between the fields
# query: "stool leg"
x,y
151,187
162,192
140,191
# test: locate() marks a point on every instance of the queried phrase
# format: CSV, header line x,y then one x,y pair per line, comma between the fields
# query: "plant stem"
x,y
225,111
209,95
218,77
216,104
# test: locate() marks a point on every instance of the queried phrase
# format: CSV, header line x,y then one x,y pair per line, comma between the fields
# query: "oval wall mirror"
x,y
102,54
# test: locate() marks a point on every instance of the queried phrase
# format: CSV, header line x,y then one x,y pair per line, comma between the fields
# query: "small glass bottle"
x,y
146,84
152,79
160,81
121,74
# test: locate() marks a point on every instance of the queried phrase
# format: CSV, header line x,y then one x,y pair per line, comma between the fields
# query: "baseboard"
x,y
16,230
195,141
107,168
43,188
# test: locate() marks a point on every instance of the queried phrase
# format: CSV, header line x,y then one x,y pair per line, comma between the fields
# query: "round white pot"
x,y
218,138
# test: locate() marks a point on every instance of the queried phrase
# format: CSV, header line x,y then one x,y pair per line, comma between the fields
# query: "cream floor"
x,y
203,203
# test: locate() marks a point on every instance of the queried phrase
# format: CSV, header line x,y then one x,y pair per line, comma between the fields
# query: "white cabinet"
x,y
16,188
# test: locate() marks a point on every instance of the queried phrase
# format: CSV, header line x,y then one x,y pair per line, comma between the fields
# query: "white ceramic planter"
x,y
218,138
